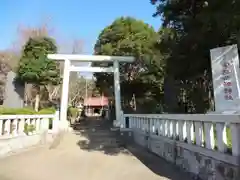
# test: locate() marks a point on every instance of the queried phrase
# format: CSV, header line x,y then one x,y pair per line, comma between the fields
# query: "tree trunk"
x,y
25,94
37,99
170,95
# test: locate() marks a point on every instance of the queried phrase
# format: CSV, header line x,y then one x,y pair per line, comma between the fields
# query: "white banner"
x,y
225,74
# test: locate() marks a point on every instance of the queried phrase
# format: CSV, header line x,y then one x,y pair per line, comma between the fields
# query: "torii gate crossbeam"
x,y
69,66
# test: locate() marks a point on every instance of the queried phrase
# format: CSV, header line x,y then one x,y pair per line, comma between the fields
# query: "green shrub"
x,y
47,111
14,111
29,128
72,112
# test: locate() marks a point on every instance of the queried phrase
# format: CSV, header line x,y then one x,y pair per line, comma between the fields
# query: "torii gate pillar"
x,y
117,90
64,124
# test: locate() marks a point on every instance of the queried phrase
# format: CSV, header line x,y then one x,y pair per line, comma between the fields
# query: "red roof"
x,y
96,101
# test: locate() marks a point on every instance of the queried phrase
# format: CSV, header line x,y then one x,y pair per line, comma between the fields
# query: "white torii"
x,y
69,66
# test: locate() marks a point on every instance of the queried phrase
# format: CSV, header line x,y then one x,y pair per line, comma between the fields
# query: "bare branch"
x,y
25,32
53,91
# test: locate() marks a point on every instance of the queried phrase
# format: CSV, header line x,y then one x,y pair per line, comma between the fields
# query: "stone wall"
x,y
141,138
205,167
204,164
14,92
10,145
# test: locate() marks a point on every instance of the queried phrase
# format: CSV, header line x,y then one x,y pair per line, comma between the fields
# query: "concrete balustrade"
x,y
203,144
13,125
22,131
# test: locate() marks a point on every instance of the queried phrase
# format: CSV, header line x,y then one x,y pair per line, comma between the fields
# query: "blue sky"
x,y
83,19
70,19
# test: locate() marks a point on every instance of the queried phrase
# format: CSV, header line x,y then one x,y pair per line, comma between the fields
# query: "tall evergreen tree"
x,y
127,36
35,67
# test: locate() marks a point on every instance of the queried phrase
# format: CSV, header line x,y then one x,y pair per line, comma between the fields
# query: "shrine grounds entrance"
x,y
70,65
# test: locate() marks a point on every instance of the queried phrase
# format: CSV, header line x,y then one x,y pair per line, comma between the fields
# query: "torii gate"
x,y
71,66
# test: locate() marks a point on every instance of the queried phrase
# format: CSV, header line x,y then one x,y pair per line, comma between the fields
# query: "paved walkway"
x,y
76,158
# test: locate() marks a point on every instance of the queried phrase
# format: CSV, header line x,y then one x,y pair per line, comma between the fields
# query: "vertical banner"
x,y
225,74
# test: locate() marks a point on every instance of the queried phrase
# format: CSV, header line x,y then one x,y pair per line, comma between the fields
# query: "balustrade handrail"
x,y
219,132
226,118
21,116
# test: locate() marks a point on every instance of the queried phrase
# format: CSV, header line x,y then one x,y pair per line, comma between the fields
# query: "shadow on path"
x,y
158,165
96,135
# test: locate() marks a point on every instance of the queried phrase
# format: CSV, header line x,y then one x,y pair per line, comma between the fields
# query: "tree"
x,y
13,53
35,67
49,92
79,88
190,29
127,36
4,69
74,46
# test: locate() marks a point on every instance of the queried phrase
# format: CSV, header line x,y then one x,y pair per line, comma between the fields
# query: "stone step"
x,y
98,134
93,139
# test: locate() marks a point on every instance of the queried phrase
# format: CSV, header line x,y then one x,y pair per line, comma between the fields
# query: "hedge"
x,y
29,111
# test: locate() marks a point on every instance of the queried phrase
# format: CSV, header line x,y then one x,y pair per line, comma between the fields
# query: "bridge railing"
x,y
215,132
14,125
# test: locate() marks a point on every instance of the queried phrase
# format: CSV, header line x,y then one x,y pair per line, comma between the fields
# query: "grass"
x,y
27,111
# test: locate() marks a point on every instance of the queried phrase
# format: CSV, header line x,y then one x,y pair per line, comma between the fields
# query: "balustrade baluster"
x,y
21,126
7,124
189,129
221,136
180,130
174,125
14,127
1,127
209,135
198,133
235,132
